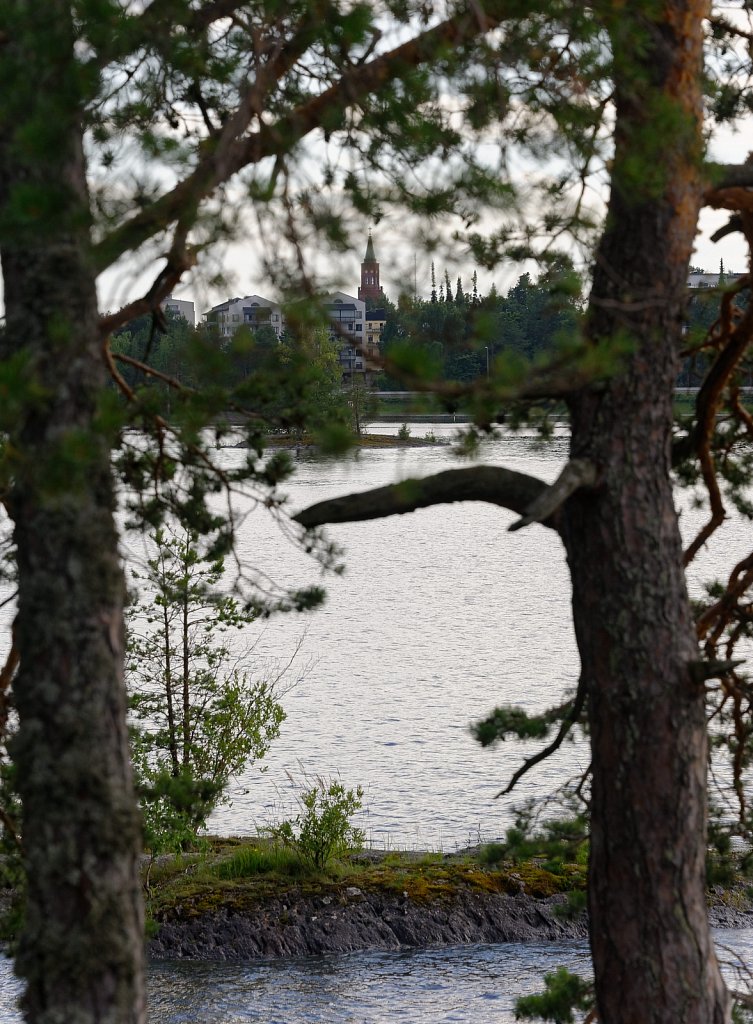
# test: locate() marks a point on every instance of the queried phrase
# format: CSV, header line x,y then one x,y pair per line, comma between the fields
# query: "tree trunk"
x,y
653,956
81,947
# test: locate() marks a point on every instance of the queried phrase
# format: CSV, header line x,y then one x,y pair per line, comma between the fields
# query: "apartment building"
x,y
181,307
250,311
347,316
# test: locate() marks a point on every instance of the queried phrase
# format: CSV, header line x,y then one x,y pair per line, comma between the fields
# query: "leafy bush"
x,y
492,853
322,831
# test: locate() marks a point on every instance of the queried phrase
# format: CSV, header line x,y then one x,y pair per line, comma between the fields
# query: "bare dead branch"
x,y
149,371
733,224
718,512
503,487
179,260
740,579
125,389
576,474
732,342
567,723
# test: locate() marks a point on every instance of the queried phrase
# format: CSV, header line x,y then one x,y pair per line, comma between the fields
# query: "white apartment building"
x,y
711,280
181,307
348,325
347,316
251,311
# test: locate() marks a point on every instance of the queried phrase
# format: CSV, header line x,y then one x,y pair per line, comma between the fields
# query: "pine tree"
x,y
433,284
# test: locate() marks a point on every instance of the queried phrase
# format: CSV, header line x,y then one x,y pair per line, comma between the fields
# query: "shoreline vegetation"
x,y
404,440
374,441
243,899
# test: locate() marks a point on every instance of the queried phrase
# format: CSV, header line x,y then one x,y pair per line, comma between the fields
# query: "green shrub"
x,y
197,718
322,831
575,904
492,853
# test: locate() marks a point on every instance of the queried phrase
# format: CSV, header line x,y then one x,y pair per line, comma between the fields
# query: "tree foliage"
x,y
460,340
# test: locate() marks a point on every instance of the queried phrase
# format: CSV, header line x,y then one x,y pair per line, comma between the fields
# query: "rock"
x,y
373,921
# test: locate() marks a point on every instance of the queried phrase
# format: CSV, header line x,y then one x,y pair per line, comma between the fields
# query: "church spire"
x,y
370,290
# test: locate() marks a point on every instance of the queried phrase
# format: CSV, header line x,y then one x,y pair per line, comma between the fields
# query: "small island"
x,y
244,899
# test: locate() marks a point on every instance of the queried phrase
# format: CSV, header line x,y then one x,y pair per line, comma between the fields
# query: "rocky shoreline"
x,y
352,920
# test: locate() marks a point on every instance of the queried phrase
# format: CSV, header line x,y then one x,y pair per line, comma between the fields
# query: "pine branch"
x,y
567,723
232,151
162,17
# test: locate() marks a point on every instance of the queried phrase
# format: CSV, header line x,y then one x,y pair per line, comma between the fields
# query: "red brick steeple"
x,y
370,287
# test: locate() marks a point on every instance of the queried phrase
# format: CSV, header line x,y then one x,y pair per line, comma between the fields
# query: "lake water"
x,y
455,985
439,616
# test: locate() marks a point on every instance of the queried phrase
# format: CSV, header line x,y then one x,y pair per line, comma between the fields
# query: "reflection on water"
x,y
459,984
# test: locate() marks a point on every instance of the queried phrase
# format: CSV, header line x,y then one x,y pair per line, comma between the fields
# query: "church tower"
x,y
370,289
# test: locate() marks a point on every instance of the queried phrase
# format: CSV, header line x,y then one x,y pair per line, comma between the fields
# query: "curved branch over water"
x,y
503,487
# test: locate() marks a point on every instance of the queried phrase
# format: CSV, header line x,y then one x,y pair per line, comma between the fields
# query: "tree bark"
x,y
653,955
81,947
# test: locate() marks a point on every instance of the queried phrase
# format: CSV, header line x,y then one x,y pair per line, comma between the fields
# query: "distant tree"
x,y
200,718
